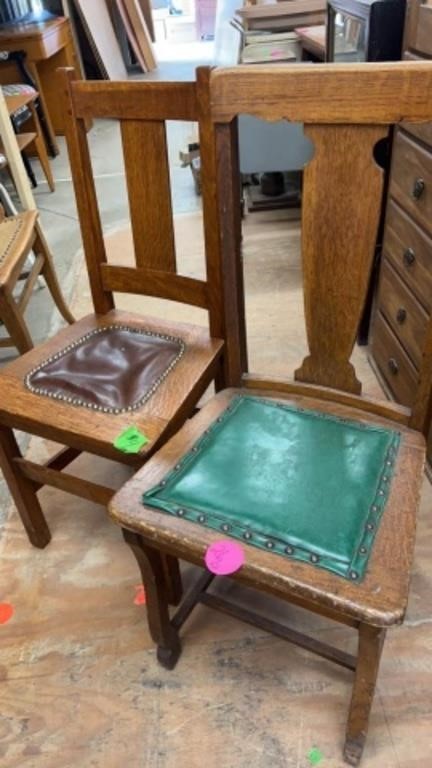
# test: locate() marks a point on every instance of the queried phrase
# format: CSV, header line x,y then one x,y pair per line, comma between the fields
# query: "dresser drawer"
x,y
411,179
409,250
403,313
393,363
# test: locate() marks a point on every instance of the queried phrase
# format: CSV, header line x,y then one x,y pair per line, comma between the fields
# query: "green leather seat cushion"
x,y
300,483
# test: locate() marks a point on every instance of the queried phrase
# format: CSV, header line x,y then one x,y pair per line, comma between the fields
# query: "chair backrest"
x,y
142,109
346,110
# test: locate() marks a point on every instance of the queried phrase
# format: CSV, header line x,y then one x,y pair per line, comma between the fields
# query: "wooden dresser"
x,y
404,299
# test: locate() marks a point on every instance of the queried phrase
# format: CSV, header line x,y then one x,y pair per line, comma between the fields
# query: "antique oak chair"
x,y
319,484
114,370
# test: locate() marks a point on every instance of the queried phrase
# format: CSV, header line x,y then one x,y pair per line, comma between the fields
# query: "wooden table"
x,y
48,45
313,41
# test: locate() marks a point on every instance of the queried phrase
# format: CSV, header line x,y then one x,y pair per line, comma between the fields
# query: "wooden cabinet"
x,y
404,299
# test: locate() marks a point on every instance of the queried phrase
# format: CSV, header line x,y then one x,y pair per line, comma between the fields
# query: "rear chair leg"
x,y
151,565
371,640
22,491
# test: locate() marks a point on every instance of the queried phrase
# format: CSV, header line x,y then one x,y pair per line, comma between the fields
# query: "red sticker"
x,y
224,557
6,612
140,597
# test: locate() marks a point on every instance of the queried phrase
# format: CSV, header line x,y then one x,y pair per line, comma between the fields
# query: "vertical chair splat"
x,y
148,182
338,240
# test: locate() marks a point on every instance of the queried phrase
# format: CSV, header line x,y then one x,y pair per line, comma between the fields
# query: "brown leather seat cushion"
x,y
112,369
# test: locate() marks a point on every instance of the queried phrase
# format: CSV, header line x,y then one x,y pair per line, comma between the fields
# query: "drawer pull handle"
x,y
409,257
393,366
418,188
401,315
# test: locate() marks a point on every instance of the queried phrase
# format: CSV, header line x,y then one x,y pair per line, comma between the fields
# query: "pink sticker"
x,y
6,612
277,53
224,557
140,597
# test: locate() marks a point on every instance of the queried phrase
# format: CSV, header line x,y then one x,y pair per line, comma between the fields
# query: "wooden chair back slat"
x,y
124,101
85,193
372,94
342,190
387,410
152,282
148,184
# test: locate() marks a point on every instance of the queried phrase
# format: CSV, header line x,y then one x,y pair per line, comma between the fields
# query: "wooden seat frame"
x,y
346,110
210,354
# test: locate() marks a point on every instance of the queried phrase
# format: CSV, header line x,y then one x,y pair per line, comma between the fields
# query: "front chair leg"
x,y
151,565
173,579
371,640
22,490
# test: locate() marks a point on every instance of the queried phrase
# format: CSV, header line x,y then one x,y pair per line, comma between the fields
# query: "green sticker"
x,y
131,440
315,756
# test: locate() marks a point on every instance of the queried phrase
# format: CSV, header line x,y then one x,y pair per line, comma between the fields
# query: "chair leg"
x,y
371,640
173,579
42,153
150,563
22,491
29,170
14,322
48,271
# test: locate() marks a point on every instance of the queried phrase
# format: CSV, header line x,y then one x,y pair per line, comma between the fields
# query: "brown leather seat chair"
x,y
118,384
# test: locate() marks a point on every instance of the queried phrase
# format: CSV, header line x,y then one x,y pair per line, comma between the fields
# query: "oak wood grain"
x,y
162,101
153,282
337,259
149,192
384,92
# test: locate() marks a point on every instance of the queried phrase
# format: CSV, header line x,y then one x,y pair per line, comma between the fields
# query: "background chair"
x,y
20,101
20,238
353,565
114,370
15,74
25,108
